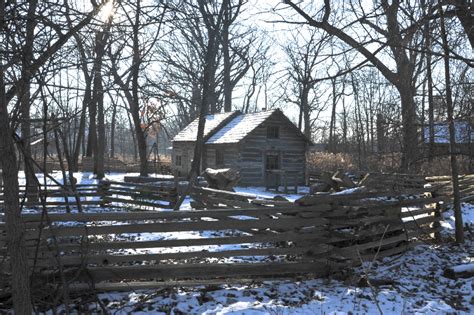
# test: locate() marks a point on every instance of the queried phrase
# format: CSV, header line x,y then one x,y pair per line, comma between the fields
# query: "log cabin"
x,y
464,137
265,147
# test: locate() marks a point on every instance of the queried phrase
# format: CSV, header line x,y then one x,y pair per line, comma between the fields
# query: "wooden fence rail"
x,y
312,237
105,193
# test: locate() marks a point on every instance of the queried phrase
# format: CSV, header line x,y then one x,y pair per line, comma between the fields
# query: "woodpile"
x,y
209,198
339,181
327,182
223,179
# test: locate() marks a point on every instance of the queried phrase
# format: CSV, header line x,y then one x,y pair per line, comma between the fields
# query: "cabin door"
x,y
272,169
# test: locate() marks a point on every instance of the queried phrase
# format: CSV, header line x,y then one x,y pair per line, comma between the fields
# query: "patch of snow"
x,y
419,286
239,127
467,210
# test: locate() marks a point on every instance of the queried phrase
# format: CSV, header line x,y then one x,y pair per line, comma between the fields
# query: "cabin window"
x,y
272,162
177,160
273,132
219,157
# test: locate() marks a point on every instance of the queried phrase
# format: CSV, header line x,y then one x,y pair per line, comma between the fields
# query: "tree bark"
x,y
464,12
452,135
24,94
100,154
226,56
410,133
135,107
14,224
430,102
112,129
306,116
332,123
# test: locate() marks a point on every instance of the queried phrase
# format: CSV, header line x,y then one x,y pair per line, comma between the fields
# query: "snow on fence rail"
x,y
315,236
105,193
442,186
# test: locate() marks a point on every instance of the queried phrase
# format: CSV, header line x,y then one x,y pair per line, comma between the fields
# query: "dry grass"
x,y
442,166
387,163
325,161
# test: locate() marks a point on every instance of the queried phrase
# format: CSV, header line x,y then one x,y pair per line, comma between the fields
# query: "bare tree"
x,y
398,39
8,91
304,60
129,81
452,133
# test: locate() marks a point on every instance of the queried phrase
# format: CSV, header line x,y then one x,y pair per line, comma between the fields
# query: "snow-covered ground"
x,y
414,284
410,283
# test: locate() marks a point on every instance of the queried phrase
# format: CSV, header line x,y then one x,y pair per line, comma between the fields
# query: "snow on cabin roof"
x,y
464,133
239,127
212,122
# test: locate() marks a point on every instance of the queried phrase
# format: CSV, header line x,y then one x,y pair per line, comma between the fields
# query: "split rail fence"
x,y
105,193
314,236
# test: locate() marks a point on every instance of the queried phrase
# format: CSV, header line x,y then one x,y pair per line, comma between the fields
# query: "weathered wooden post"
x,y
296,183
436,224
103,191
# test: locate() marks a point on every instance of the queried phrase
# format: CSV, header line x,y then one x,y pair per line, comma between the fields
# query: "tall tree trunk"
x,y
112,129
24,94
430,106
207,88
135,107
132,130
92,136
99,157
410,133
381,141
306,116
98,100
13,222
464,11
452,134
226,56
82,127
332,123
344,123
206,91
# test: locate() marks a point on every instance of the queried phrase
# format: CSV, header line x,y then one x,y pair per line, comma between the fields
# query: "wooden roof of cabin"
x,y
232,127
189,133
239,127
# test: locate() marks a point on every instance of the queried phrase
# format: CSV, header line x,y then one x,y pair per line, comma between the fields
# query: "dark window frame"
x,y
178,160
273,132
